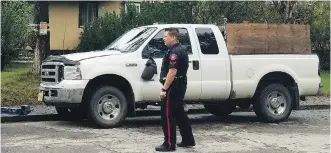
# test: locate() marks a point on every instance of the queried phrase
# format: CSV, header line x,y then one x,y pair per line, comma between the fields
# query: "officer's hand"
x,y
163,94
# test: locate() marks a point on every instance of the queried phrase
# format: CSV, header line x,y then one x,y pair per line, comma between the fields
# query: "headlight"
x,y
72,73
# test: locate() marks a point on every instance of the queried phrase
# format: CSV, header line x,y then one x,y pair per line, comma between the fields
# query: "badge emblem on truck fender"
x,y
250,73
130,64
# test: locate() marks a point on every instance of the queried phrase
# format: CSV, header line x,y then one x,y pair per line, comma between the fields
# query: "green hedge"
x,y
105,29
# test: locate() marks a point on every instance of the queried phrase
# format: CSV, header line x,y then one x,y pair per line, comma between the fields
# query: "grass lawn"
x,y
325,76
18,85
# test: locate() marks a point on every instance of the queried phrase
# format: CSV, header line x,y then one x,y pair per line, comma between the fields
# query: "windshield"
x,y
131,40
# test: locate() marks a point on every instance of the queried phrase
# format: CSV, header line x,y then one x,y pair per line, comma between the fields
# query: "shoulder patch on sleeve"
x,y
173,57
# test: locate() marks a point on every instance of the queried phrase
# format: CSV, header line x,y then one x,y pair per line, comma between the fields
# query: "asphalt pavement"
x,y
241,132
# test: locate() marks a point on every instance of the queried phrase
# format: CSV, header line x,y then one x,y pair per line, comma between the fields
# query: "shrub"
x,y
104,30
99,33
14,29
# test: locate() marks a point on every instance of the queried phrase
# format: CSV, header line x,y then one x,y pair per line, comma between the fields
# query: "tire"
x,y
273,103
69,113
107,107
220,109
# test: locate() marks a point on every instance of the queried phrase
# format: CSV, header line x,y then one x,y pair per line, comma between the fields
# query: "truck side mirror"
x,y
149,70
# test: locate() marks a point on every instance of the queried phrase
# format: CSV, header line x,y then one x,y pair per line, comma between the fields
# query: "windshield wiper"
x,y
114,49
140,33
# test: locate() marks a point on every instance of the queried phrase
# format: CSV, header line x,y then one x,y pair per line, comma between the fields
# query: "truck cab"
x,y
208,61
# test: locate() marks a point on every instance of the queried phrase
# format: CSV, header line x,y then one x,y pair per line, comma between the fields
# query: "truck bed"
x,y
247,70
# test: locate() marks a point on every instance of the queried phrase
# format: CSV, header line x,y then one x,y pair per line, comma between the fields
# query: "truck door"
x,y
214,63
151,89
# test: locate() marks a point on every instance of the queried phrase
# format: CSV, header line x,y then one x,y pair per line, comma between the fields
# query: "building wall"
x,y
64,20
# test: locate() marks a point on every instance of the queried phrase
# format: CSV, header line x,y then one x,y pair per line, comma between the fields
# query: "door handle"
x,y
195,65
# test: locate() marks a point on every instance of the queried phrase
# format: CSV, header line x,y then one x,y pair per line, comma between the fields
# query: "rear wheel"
x,y
108,107
273,103
223,109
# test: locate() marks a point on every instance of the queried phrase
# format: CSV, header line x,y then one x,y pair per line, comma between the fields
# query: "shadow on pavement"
x,y
208,119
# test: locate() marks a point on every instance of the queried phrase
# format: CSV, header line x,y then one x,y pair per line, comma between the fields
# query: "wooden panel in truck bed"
x,y
268,39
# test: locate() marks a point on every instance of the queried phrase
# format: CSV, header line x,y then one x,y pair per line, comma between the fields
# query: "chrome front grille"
x,y
52,72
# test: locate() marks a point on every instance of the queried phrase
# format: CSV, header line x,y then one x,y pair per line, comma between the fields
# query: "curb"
x,y
139,113
51,117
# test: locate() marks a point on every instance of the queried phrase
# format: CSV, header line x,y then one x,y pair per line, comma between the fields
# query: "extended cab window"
x,y
157,49
207,40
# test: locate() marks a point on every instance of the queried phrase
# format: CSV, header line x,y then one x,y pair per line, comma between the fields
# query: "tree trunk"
x,y
287,11
41,49
37,57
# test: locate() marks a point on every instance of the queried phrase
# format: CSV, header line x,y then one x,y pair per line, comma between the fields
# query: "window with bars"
x,y
136,5
88,12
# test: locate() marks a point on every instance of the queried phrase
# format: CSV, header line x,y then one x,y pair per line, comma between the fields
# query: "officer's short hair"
x,y
174,32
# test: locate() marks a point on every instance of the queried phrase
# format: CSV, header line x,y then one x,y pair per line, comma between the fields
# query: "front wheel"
x,y
108,107
273,103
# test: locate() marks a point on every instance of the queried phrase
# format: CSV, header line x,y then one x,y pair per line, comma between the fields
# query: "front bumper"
x,y
67,92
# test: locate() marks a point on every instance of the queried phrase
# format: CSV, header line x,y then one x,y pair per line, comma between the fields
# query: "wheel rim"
x,y
109,107
276,103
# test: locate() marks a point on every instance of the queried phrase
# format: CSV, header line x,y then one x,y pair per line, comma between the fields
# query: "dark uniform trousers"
x,y
172,112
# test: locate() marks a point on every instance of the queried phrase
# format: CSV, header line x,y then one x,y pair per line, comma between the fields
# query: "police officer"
x,y
174,81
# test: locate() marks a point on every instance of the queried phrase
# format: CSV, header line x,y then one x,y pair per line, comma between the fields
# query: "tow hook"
x,y
320,90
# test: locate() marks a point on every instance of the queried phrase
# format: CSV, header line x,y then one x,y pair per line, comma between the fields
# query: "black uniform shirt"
x,y
177,58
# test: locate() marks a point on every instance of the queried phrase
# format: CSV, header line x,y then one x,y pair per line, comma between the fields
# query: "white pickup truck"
x,y
106,85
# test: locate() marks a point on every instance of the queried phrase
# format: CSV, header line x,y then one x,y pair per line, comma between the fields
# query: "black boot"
x,y
182,144
164,148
